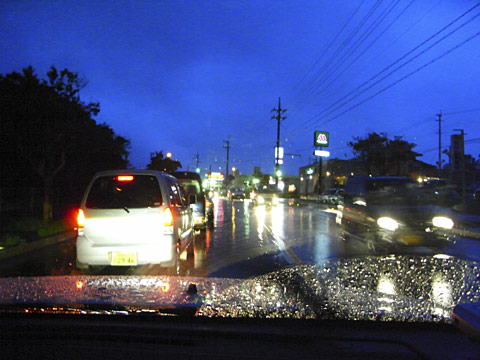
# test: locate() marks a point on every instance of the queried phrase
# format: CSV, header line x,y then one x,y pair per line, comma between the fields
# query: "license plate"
x,y
123,259
411,239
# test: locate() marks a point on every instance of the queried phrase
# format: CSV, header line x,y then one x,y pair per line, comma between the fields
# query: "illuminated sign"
x,y
321,138
322,153
280,153
310,171
216,176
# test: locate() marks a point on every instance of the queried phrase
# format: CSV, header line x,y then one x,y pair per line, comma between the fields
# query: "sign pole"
x,y
320,174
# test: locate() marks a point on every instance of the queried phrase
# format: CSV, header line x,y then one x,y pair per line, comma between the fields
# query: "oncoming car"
x,y
393,211
236,193
265,195
129,218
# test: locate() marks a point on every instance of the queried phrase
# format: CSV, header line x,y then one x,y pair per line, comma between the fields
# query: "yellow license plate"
x,y
411,239
123,259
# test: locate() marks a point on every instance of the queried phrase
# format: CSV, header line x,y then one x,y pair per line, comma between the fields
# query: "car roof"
x,y
187,175
132,172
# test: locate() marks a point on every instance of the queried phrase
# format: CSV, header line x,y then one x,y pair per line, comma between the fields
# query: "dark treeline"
x,y
50,144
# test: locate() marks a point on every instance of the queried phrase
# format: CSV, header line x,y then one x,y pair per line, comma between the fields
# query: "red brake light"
x,y
167,217
80,218
125,178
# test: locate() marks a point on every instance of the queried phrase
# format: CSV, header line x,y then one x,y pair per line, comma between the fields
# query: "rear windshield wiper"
x,y
126,209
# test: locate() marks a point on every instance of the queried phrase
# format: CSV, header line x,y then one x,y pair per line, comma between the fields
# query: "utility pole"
x,y
279,118
462,166
227,146
439,141
197,161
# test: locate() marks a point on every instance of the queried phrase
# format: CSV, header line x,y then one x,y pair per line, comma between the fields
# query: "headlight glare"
x,y
442,222
387,223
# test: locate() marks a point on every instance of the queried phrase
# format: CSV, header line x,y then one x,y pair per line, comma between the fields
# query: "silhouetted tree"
x,y
381,156
45,127
399,153
370,152
159,162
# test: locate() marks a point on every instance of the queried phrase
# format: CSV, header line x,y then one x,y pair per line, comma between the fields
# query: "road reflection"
x,y
245,240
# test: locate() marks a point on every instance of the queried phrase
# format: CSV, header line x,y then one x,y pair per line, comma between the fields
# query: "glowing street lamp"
x,y
169,155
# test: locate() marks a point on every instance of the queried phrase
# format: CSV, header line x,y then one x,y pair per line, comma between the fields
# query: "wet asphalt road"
x,y
246,241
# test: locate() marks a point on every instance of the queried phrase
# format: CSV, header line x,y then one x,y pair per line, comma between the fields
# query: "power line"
x,y
404,77
398,67
327,64
330,44
363,37
461,111
367,48
401,79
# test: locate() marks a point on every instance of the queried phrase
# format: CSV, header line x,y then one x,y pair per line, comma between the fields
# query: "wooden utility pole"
x,y
279,118
227,146
439,141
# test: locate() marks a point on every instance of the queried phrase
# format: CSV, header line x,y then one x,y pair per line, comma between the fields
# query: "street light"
x,y
169,154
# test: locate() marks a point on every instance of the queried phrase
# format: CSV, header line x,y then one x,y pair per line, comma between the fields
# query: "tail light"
x,y
125,178
168,221
80,221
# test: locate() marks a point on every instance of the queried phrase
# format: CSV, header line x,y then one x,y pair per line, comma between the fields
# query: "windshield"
x,y
191,186
304,154
108,192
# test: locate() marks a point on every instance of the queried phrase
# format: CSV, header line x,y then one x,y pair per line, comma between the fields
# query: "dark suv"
x,y
392,211
203,207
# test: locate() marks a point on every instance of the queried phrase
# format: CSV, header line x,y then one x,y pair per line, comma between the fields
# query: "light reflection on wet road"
x,y
246,241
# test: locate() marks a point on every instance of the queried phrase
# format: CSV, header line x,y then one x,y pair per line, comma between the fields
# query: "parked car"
x,y
203,205
393,211
331,196
236,193
133,217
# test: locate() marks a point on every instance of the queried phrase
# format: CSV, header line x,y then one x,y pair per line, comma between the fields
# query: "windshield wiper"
x,y
126,209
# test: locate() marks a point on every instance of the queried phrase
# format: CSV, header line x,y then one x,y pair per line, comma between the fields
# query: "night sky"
x,y
182,76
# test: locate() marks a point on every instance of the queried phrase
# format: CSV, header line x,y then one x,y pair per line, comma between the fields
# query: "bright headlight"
x,y
388,223
442,222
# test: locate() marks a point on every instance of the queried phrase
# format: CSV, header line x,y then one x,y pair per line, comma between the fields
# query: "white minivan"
x,y
133,217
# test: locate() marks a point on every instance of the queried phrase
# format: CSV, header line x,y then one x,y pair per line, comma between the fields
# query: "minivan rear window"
x,y
192,186
114,192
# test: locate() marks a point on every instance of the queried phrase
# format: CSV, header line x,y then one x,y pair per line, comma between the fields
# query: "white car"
x,y
133,217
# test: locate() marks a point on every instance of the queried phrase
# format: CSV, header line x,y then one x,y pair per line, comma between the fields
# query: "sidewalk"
x,y
46,241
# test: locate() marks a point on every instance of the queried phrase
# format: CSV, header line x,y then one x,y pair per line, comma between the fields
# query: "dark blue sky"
x,y
183,76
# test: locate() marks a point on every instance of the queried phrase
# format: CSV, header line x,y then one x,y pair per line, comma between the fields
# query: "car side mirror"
x,y
192,199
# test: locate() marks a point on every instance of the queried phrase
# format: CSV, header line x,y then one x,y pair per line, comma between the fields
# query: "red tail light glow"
x,y
80,218
125,178
80,222
167,217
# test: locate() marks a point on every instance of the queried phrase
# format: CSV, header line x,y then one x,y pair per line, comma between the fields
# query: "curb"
x,y
46,241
